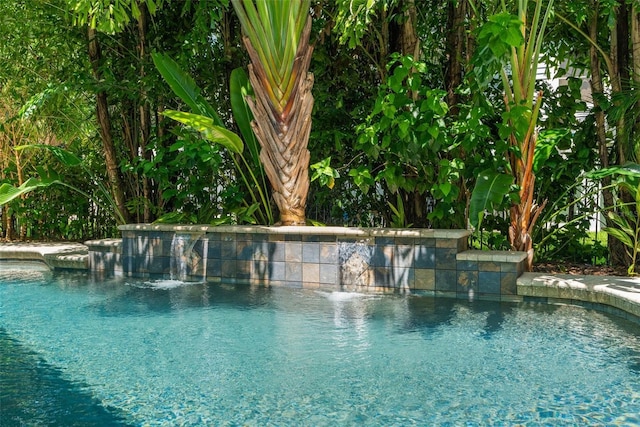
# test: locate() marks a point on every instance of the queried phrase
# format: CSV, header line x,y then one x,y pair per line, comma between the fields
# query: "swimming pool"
x,y
125,352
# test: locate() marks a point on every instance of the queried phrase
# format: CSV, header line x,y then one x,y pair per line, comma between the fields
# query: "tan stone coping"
x,y
303,230
55,255
105,243
494,256
619,292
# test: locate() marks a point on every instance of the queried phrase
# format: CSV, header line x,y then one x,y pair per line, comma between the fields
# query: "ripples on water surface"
x,y
77,352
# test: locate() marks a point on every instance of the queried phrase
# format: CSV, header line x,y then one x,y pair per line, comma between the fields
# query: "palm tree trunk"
x,y
284,135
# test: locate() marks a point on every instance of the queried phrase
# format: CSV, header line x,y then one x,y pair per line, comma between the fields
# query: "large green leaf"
x,y
274,29
628,169
185,87
208,129
240,88
546,143
490,190
620,235
65,157
9,192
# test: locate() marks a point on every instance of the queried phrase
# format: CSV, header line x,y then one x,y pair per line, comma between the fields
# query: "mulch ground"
x,y
579,269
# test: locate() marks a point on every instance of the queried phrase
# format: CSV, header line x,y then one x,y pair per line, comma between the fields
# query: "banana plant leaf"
x,y
490,189
185,87
209,130
628,169
8,192
240,88
65,157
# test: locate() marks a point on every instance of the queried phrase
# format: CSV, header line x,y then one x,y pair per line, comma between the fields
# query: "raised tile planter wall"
x,y
105,257
338,258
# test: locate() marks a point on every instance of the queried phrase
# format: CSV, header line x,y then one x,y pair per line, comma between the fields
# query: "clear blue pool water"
x,y
78,352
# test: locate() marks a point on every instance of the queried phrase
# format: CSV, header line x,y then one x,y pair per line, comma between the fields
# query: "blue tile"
x,y
446,259
277,271
214,268
467,265
293,272
489,282
446,280
425,257
311,252
329,253
329,274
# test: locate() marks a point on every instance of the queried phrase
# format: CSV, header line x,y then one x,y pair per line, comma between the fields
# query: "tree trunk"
x,y
615,247
284,135
635,52
145,111
455,49
104,121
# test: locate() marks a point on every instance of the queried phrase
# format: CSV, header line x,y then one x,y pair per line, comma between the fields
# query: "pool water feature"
x,y
136,352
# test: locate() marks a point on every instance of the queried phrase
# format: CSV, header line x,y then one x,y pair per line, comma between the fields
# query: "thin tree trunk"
x,y
616,249
617,73
635,57
7,220
104,121
23,229
455,43
145,111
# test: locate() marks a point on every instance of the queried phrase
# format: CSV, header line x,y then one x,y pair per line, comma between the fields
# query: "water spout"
x,y
184,260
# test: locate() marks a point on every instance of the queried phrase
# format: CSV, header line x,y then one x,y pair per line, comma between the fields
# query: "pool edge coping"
x,y
620,292
71,256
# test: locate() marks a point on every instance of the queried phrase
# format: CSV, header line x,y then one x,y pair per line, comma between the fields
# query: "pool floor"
x,y
79,352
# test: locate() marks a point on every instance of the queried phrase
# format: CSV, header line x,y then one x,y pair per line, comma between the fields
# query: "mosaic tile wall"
x,y
334,258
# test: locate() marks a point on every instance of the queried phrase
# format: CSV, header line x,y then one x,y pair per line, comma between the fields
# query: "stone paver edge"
x,y
622,293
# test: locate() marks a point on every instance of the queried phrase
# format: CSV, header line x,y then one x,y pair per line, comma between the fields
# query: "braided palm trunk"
x,y
283,131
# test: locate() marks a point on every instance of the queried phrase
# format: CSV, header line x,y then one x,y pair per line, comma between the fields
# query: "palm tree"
x,y
522,101
276,36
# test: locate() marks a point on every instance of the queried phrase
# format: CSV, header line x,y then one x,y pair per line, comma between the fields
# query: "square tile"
x,y
293,271
310,273
446,280
329,274
489,282
311,252
293,252
329,253
446,259
425,279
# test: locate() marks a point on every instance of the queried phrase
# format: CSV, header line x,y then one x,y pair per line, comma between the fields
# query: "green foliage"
x,y
399,218
353,19
240,88
187,90
496,38
324,173
488,195
107,16
625,214
185,87
406,140
207,128
102,198
8,192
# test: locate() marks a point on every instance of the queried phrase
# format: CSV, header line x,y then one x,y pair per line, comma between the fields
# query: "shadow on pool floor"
x,y
34,393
